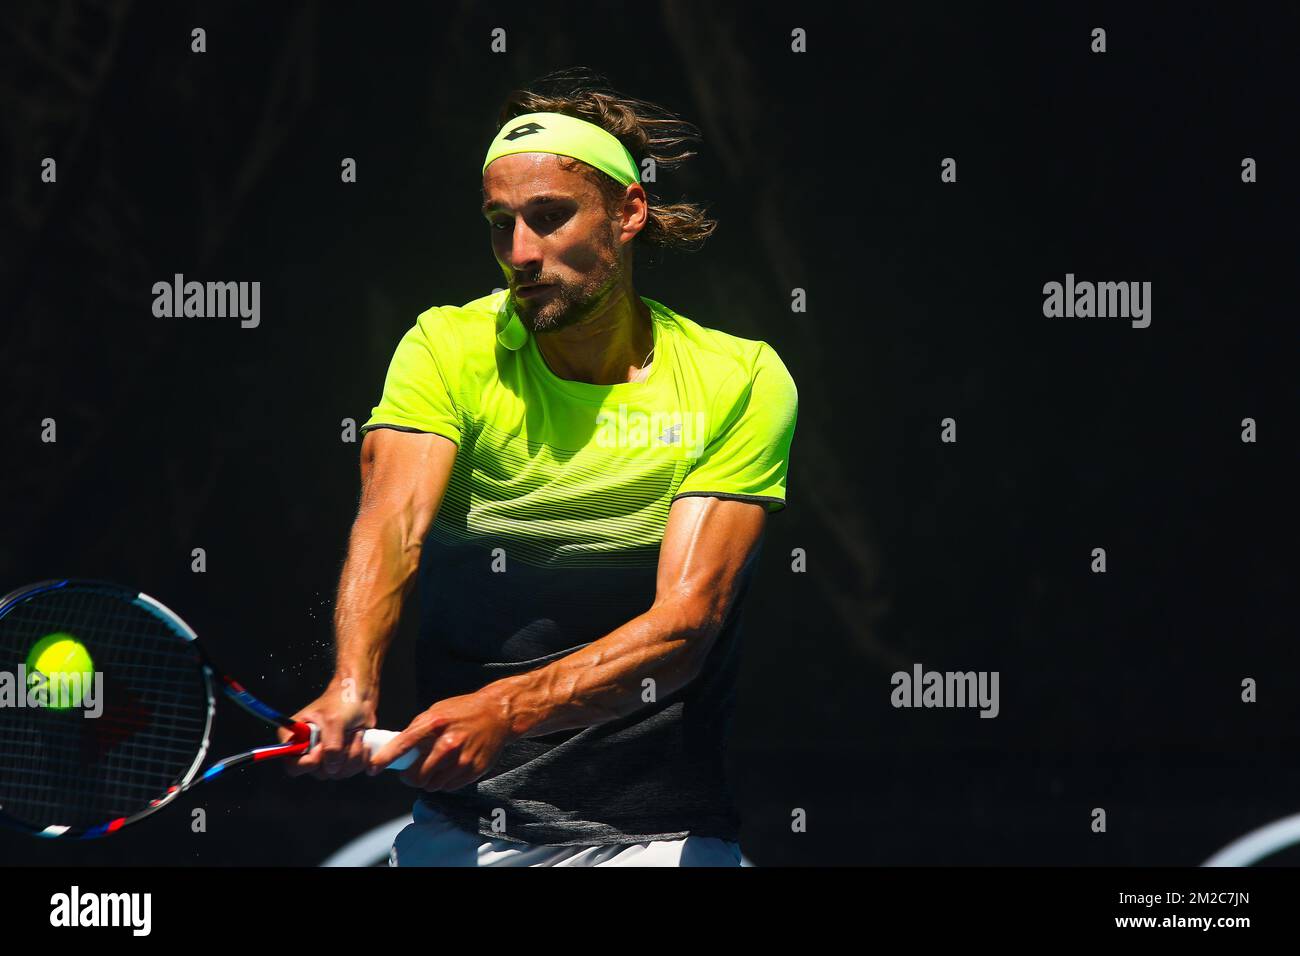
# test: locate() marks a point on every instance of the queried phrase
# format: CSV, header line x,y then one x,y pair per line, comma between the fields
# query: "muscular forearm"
x,y
376,578
607,678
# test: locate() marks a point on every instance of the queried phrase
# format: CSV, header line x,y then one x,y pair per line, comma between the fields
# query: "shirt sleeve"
x,y
417,396
748,457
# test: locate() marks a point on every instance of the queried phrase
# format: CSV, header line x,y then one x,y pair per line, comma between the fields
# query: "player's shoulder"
x,y
729,362
467,327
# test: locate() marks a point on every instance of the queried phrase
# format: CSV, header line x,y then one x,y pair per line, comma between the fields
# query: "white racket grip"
x,y
373,740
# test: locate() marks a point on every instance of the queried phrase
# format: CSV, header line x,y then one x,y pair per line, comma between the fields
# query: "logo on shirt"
x,y
631,428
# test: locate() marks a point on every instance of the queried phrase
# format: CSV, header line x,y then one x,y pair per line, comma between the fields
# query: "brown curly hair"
x,y
646,129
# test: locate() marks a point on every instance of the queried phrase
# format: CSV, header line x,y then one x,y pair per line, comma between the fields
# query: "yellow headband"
x,y
565,136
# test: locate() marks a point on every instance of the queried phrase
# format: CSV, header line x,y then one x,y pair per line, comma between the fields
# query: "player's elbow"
x,y
694,620
388,542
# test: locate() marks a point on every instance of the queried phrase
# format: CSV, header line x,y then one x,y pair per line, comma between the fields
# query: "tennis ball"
x,y
55,656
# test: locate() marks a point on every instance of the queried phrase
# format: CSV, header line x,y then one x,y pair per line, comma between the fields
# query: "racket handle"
x,y
373,740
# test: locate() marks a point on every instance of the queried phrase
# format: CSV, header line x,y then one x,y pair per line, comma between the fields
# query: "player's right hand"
x,y
342,713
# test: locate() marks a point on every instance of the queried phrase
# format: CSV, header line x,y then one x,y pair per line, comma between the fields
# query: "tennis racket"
x,y
68,774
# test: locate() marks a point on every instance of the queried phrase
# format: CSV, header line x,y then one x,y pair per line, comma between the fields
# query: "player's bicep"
x,y
707,547
404,475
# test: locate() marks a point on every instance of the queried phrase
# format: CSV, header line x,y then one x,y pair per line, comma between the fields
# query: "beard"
x,y
564,305
568,303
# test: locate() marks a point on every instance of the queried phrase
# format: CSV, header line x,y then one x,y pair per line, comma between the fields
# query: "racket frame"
x,y
305,736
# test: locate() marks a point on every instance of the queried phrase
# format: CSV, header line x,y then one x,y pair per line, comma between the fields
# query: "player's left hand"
x,y
459,738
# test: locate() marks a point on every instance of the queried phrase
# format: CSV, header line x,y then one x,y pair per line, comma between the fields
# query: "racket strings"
x,y
70,768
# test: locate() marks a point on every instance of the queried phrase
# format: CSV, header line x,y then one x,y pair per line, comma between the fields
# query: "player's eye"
x,y
552,218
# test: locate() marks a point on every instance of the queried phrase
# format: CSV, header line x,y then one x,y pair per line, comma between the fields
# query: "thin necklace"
x,y
637,378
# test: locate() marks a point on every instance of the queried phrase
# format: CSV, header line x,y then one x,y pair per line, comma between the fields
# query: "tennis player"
x,y
577,477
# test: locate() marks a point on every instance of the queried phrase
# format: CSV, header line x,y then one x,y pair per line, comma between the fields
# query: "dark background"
x,y
1119,690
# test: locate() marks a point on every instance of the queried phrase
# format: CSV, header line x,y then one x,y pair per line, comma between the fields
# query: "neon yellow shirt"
x,y
569,472
548,539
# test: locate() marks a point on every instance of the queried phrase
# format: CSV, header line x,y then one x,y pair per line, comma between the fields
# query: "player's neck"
x,y
606,349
